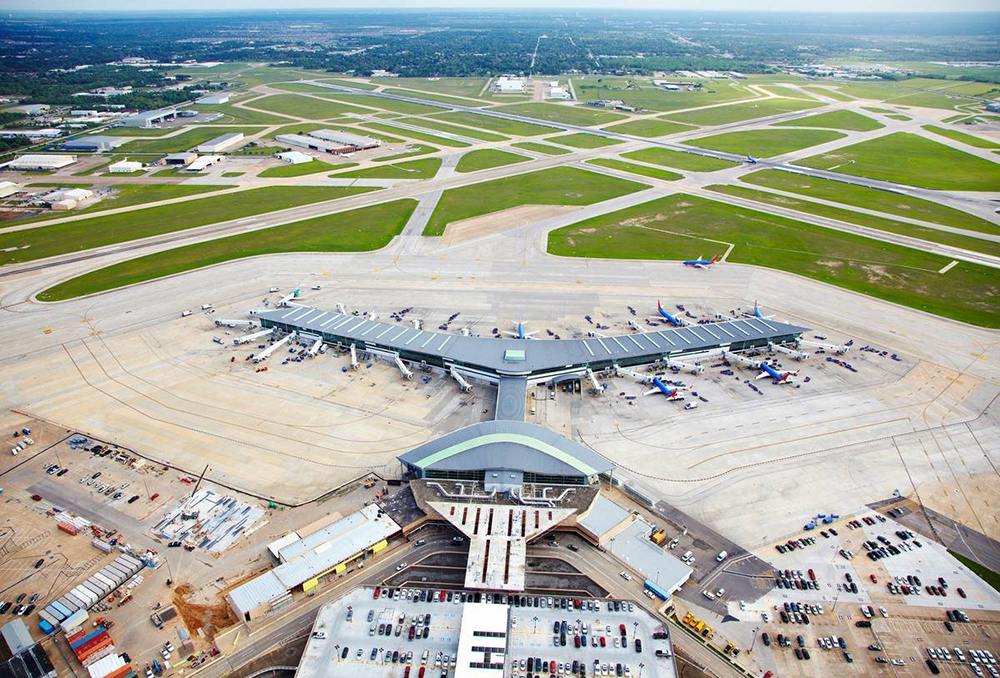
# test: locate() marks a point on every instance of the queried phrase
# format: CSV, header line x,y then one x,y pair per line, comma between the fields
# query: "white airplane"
x,y
757,314
519,333
294,294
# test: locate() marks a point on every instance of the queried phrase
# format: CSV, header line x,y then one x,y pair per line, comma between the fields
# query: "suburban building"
x,y
330,141
46,133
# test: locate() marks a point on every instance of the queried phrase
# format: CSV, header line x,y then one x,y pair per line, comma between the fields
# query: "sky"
x,y
285,5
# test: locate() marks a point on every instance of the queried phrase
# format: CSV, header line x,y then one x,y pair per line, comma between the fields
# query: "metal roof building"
x,y
345,138
221,143
94,143
149,118
535,453
539,359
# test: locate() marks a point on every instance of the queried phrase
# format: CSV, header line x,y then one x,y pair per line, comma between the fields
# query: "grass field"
x,y
359,230
899,116
181,142
928,100
870,198
986,574
415,150
650,127
679,227
679,159
391,129
765,143
643,94
511,127
722,115
962,137
652,172
571,115
310,108
385,104
554,186
285,170
462,87
848,120
126,195
852,217
425,168
470,132
240,116
541,148
75,236
583,140
485,158
431,96
911,159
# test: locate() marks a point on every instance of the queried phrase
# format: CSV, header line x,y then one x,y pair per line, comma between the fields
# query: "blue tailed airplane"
x,y
701,263
660,387
768,372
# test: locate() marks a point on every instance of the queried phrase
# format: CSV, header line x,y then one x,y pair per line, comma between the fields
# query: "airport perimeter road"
x,y
603,569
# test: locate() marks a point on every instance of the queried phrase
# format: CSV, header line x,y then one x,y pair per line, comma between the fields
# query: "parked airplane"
x,y
674,320
519,333
701,263
294,294
757,314
769,372
660,387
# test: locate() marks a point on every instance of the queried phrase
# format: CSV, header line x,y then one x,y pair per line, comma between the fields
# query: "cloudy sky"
x,y
752,5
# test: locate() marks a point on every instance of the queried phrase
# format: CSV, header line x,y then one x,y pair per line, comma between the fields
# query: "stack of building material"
x,y
209,520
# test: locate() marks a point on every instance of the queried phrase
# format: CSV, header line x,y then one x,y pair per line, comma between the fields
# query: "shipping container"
x,y
123,570
138,564
84,595
53,611
113,575
101,545
96,589
68,528
79,639
61,607
107,581
76,601
100,584
47,616
76,620
93,648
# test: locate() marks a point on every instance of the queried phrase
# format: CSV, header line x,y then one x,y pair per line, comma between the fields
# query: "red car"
x,y
812,575
36,497
768,674
621,628
873,578
960,592
604,643
154,497
376,594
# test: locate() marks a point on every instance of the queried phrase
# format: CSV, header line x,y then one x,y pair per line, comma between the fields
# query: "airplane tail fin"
x,y
714,259
658,307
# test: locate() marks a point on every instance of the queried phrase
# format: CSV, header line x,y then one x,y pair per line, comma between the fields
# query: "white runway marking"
x,y
948,267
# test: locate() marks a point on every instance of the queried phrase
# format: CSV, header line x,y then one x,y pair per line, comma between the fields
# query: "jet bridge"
x,y
247,338
266,353
797,355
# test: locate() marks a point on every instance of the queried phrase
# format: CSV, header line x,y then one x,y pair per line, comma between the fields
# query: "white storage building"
x,y
221,143
220,98
47,133
124,166
40,162
295,157
202,162
8,188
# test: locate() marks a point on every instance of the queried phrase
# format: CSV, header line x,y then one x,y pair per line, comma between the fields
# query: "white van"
x,y
205,307
722,556
691,405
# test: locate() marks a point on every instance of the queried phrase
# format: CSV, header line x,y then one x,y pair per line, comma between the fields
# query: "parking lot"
x,y
381,636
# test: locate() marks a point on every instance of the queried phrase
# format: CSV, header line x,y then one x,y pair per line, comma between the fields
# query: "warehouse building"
x,y
203,162
8,188
94,144
509,84
40,162
149,118
348,140
307,561
294,157
209,99
330,141
221,143
125,166
180,159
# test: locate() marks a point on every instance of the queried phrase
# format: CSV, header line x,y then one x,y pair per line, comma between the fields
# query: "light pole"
x,y
641,665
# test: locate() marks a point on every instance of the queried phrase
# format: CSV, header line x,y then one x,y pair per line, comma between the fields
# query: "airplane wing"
x,y
651,391
764,375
